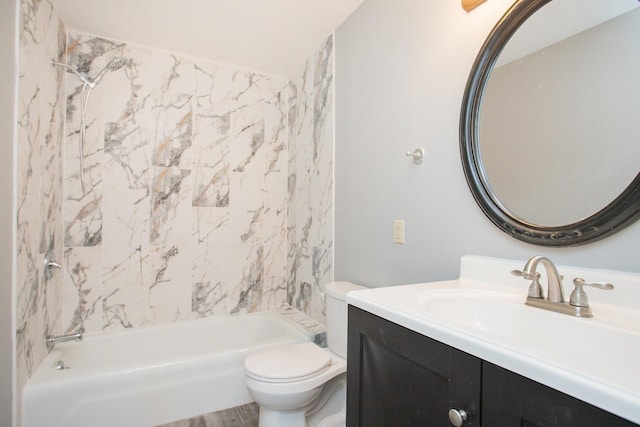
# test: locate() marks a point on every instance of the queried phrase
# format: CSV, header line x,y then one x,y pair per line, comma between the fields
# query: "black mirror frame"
x,y
621,212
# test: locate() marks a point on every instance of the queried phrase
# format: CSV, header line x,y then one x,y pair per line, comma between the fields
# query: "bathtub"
x,y
152,375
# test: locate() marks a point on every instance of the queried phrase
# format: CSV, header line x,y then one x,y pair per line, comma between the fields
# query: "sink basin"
x,y
502,317
483,313
476,309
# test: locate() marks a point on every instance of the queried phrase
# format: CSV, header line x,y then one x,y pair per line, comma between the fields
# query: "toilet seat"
x,y
288,363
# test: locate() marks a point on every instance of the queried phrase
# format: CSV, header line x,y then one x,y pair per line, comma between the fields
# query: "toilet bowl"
x,y
302,385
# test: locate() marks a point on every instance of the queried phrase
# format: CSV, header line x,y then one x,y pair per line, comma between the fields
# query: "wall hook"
x,y
417,154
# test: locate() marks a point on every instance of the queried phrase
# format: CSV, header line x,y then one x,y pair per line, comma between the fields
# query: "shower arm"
x,y
84,79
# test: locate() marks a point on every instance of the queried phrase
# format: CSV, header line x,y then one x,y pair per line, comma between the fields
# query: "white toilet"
x,y
302,385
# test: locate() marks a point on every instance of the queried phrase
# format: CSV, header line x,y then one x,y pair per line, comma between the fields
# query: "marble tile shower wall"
x,y
310,186
186,169
40,131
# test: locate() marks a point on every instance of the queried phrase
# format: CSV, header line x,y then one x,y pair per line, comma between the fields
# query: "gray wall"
x,y
8,73
401,69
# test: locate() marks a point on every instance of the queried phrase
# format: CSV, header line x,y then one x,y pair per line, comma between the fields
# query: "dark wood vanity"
x,y
398,377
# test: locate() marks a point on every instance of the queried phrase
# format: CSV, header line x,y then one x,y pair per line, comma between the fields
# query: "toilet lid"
x,y
294,362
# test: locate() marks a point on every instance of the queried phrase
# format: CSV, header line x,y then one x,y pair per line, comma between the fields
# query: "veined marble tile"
x,y
51,204
31,346
247,140
247,193
274,292
170,292
173,73
271,85
211,144
125,307
245,286
30,127
227,88
127,169
230,103
211,171
51,77
310,182
275,225
170,206
211,236
300,296
225,165
128,145
36,19
209,299
125,246
82,289
170,265
276,132
213,100
125,95
173,135
83,221
41,103
29,283
170,303
322,273
322,95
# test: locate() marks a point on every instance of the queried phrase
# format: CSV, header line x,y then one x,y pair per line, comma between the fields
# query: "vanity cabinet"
x,y
510,399
398,377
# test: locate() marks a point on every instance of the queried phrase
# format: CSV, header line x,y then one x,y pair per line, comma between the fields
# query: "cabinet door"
x,y
511,400
397,377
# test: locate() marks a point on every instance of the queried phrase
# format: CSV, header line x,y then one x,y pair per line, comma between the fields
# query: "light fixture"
x,y
469,5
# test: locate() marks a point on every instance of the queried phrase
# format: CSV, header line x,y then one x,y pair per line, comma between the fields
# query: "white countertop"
x,y
600,368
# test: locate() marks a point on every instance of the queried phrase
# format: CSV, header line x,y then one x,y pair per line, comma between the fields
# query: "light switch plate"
x,y
398,231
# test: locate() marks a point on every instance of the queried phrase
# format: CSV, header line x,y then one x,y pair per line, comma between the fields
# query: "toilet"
x,y
300,385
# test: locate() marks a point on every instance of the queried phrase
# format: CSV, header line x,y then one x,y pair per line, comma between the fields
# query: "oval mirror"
x,y
548,122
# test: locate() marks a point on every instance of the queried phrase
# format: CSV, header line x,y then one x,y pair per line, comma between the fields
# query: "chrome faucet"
x,y
554,280
578,304
53,340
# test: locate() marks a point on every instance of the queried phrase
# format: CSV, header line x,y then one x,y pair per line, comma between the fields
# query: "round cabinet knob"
x,y
457,416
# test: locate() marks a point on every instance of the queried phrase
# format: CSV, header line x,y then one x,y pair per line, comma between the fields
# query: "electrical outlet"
x,y
398,231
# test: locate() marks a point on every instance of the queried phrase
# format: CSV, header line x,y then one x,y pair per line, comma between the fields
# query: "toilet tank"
x,y
336,313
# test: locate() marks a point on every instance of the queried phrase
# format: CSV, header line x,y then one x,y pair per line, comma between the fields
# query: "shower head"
x,y
113,65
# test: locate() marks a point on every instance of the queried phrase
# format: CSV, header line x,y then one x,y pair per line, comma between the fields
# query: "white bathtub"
x,y
152,375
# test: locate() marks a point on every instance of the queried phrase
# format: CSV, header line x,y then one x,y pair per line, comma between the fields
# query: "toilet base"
x,y
333,412
271,418
328,411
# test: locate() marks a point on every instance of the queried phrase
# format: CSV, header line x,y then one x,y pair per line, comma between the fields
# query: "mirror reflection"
x,y
557,130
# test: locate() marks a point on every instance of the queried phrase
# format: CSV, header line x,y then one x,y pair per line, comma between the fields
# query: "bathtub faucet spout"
x,y
52,341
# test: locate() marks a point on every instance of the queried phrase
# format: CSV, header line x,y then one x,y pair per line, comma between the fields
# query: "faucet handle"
x,y
579,298
525,274
49,263
535,290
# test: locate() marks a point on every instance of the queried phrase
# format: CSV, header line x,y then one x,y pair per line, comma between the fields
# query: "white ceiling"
x,y
272,36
